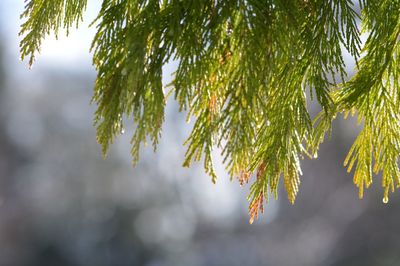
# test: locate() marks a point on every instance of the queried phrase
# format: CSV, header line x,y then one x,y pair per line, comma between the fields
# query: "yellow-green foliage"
x,y
244,68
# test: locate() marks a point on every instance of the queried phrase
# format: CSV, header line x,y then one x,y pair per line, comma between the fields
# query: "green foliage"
x,y
245,70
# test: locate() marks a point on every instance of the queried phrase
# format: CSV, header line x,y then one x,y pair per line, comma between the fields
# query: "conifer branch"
x,y
245,70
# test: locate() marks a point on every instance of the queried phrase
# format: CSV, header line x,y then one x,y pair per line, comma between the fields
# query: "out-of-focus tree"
x,y
244,68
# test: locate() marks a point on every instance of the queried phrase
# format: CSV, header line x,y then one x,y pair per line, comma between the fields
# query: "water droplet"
x,y
315,155
122,130
385,200
124,72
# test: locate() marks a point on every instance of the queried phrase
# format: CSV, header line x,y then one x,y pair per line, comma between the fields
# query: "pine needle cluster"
x,y
245,71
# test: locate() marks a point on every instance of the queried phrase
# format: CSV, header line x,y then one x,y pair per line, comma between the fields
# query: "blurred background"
x,y
61,203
